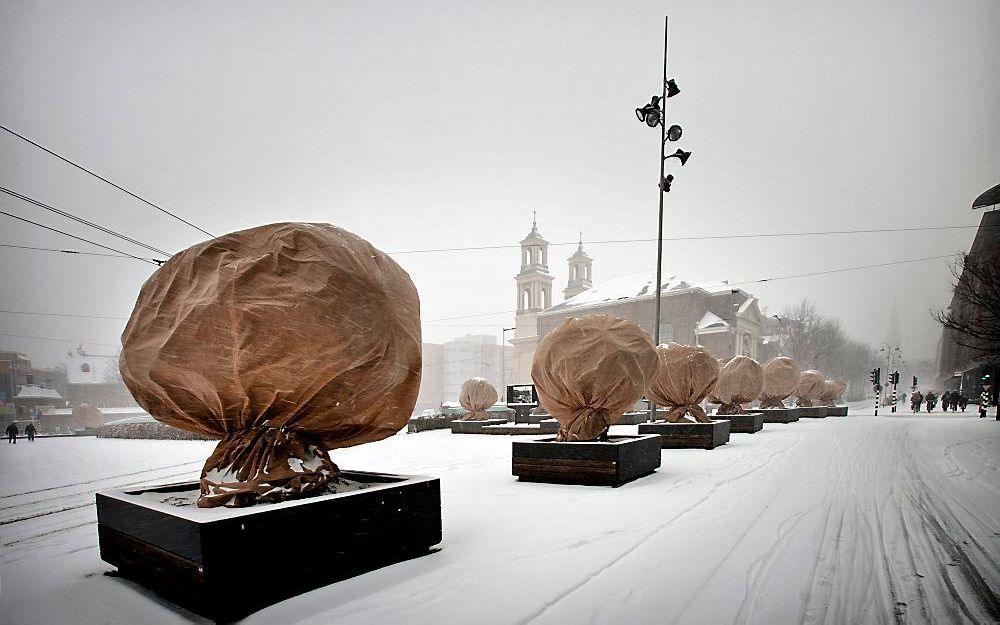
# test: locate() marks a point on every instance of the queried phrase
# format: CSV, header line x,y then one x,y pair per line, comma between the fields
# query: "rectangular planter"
x,y
474,427
595,463
633,418
780,415
225,563
688,435
744,423
548,426
836,411
422,424
812,412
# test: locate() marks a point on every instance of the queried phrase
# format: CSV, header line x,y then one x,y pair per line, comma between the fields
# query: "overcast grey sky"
x,y
444,124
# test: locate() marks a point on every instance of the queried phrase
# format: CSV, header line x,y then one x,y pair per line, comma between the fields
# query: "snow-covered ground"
x,y
840,520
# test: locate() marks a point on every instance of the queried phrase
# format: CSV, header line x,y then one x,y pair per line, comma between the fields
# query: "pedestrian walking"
x,y
12,433
945,401
963,401
931,400
30,432
916,400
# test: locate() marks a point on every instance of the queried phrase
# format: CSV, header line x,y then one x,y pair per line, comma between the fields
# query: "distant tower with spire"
x,y
534,294
580,265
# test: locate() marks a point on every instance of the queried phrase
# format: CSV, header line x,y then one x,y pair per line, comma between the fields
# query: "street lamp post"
x,y
654,114
891,354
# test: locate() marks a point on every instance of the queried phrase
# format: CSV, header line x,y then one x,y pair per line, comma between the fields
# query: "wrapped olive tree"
x,y
683,379
284,341
476,396
589,370
781,378
740,381
833,390
811,385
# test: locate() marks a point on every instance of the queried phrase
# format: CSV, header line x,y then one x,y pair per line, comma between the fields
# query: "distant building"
x,y
476,355
94,379
15,371
32,399
960,366
431,379
724,320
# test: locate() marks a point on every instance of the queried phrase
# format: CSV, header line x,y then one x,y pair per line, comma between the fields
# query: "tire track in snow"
x,y
656,531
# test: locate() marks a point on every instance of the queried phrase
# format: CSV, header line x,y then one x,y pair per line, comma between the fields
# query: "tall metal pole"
x,y
659,183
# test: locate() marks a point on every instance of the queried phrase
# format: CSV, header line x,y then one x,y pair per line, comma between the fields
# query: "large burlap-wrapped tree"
x,y
713,397
832,392
683,379
284,341
811,385
589,370
781,378
740,381
476,396
88,416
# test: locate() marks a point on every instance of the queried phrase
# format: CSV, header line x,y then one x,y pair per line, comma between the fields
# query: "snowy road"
x,y
852,520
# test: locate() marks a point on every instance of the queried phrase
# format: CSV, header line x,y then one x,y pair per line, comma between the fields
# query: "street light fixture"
x,y
653,114
503,359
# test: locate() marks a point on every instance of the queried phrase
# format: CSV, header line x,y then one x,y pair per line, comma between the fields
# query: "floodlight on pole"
x,y
680,155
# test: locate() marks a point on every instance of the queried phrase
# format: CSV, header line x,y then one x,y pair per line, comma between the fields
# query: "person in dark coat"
x,y
915,400
931,399
963,401
30,432
945,401
12,433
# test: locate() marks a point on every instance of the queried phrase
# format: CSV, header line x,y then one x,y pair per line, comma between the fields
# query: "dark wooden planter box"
x,y
596,463
633,418
422,424
225,563
780,415
744,423
474,427
688,435
812,412
836,411
522,413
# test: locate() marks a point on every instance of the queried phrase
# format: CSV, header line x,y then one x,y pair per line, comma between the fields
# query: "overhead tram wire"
x,y
52,249
153,261
711,237
58,340
53,314
83,221
103,179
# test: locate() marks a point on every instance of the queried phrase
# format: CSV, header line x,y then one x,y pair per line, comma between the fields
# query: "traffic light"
x,y
914,381
895,378
876,376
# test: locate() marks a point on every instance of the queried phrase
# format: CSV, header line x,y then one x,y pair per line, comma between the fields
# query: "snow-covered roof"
x,y
711,323
125,411
635,286
34,391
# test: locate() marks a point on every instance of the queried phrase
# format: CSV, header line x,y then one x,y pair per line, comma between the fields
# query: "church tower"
x,y
580,265
534,294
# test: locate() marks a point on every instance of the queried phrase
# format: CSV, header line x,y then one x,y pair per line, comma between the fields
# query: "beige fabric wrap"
x,y
781,378
740,382
684,377
88,416
713,397
832,392
589,370
811,385
476,396
285,341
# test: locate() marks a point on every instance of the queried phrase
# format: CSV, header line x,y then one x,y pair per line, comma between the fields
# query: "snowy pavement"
x,y
841,520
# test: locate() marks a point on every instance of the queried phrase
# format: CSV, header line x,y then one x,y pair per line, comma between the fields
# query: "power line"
x,y
73,236
711,237
49,338
52,314
103,179
821,273
83,221
52,249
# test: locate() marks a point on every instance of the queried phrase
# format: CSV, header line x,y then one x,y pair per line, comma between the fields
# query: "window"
x,y
85,367
545,298
572,272
525,299
588,272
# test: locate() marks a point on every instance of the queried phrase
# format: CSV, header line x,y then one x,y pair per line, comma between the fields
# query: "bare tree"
x,y
974,316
